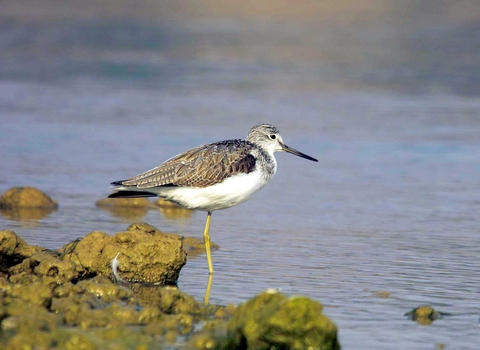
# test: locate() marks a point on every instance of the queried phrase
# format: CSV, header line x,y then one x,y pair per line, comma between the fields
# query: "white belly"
x,y
232,191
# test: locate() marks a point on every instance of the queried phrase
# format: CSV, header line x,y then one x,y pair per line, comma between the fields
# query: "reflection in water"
x,y
137,208
130,213
127,208
206,298
172,211
195,246
26,214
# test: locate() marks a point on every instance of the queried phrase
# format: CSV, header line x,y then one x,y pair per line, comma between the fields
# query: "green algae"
x,y
424,315
116,338
271,320
13,250
50,300
35,293
143,257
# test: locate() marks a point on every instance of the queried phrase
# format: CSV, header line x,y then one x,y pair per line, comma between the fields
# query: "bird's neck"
x,y
269,163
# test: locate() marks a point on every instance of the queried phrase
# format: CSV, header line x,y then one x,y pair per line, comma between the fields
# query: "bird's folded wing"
x,y
199,167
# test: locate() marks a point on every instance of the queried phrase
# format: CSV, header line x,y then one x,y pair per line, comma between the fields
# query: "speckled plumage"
x,y
203,166
214,176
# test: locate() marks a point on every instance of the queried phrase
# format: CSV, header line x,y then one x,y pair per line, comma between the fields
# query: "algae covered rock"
x,y
26,204
192,245
26,197
37,294
174,301
118,338
31,319
13,250
271,320
143,252
424,315
46,264
51,299
105,289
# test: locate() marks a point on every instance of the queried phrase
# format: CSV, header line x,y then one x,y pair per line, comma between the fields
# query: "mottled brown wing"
x,y
200,167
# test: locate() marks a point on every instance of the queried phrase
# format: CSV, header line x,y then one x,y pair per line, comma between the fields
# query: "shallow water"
x,y
392,205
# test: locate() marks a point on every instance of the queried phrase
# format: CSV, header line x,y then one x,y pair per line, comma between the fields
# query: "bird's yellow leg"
x,y
206,298
206,238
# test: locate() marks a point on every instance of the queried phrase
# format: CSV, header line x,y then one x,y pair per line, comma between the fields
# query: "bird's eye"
x,y
273,137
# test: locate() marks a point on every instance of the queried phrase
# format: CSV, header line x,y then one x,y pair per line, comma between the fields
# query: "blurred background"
x,y
384,93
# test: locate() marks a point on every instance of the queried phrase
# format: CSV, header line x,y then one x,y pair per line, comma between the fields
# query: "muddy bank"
x,y
67,299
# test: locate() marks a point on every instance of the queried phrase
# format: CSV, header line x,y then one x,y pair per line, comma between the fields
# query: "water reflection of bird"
x,y
214,176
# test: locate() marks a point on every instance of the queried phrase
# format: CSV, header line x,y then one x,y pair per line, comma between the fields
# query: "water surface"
x,y
392,205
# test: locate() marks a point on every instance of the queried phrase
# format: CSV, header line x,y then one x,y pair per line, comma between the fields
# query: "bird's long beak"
x,y
297,153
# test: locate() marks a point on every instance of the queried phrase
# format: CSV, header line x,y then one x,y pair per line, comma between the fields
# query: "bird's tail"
x,y
122,191
131,194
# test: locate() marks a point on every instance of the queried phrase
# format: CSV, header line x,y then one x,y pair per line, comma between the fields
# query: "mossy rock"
x,y
105,290
115,338
169,299
32,340
47,264
424,315
26,197
144,255
31,319
273,321
13,250
37,294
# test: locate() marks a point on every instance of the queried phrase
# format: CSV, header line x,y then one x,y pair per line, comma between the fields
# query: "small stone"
x,y
381,294
26,197
424,315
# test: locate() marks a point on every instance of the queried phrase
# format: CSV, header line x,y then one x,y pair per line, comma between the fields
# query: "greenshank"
x,y
214,176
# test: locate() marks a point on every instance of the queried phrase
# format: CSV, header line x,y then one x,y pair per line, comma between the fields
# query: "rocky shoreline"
x,y
69,298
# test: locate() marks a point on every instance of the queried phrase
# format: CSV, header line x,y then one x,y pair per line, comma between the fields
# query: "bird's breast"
x,y
228,193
